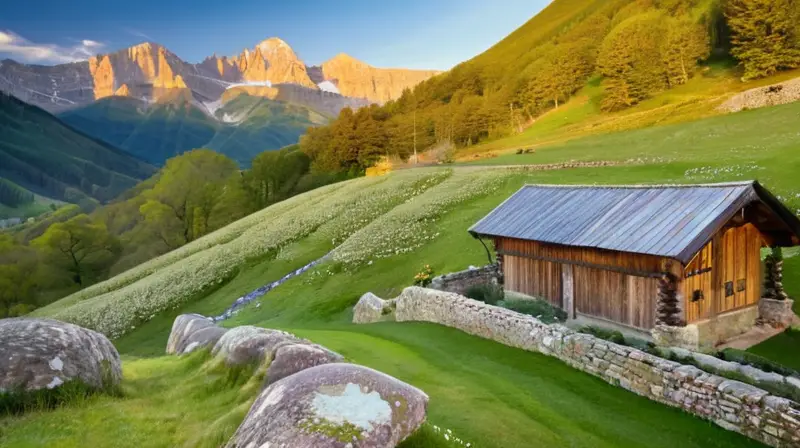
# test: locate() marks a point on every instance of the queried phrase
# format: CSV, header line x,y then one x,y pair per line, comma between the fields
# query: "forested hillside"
x,y
244,126
41,154
191,196
633,49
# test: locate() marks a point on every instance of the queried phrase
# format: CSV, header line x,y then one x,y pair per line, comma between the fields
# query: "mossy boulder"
x,y
333,405
292,358
37,354
191,332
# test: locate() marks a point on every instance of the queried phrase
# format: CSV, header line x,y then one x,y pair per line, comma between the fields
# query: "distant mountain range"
x,y
150,103
149,71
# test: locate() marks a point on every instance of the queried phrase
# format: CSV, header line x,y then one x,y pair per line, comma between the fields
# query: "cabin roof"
x,y
673,221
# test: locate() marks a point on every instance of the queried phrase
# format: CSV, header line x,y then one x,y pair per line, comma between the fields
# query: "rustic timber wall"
x,y
733,405
626,299
617,286
732,257
460,282
536,278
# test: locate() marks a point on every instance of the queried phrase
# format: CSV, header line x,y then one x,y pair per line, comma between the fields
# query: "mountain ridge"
x,y
49,157
149,70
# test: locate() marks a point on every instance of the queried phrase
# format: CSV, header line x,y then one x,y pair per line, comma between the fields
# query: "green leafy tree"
x,y
764,35
180,205
17,277
685,43
273,176
83,247
561,72
630,58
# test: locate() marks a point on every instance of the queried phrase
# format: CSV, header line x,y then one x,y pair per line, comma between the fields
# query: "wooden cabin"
x,y
599,251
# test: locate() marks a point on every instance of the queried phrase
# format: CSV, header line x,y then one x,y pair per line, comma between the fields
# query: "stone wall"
x,y
460,282
776,313
783,93
733,405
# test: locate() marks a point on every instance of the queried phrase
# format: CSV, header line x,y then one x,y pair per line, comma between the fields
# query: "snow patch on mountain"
x,y
250,84
328,86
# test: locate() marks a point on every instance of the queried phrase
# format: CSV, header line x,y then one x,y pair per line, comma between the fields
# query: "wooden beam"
x,y
611,268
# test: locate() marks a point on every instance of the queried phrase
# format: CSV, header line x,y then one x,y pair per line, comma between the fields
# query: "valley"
x,y
258,190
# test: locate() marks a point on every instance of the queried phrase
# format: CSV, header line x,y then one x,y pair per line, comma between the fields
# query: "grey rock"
x,y
248,344
292,358
793,382
204,337
43,353
369,309
182,328
333,405
714,364
758,376
742,391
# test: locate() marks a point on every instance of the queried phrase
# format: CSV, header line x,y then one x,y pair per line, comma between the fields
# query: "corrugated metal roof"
x,y
672,221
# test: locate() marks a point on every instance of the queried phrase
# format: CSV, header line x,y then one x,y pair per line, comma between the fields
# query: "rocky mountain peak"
x,y
358,79
150,71
274,45
344,58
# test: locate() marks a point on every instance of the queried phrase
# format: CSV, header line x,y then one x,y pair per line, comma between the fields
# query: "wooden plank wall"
x,y
623,260
697,276
618,297
739,258
741,255
535,278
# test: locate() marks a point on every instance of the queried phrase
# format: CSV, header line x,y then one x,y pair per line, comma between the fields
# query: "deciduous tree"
x,y
83,247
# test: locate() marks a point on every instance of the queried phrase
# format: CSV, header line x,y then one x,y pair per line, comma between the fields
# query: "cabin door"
x,y
738,284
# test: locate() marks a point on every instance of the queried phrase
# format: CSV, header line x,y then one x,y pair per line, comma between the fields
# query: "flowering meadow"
x,y
408,226
123,302
221,236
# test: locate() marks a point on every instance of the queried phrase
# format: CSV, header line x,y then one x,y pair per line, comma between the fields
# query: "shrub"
x,y
759,362
424,277
489,293
604,333
538,308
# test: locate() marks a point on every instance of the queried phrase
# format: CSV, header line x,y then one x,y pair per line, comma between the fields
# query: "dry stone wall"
x,y
783,93
460,282
733,405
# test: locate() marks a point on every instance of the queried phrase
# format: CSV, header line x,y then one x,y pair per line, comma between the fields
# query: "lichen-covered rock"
x,y
248,344
204,337
292,358
369,309
333,405
182,329
43,353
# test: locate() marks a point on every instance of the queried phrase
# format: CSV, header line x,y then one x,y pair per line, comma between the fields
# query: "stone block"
x,y
777,313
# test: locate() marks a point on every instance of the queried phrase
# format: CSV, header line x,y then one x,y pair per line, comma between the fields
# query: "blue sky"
x,y
434,34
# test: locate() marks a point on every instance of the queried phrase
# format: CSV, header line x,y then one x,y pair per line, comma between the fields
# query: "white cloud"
x,y
18,47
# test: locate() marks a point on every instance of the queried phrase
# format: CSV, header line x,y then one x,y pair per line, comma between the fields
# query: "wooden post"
x,y
717,291
568,290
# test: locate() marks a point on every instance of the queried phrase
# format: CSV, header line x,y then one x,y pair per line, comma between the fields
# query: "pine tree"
x,y
764,35
668,309
773,281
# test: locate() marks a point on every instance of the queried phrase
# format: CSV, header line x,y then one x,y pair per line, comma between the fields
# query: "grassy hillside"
x,y
245,126
381,231
582,116
40,153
